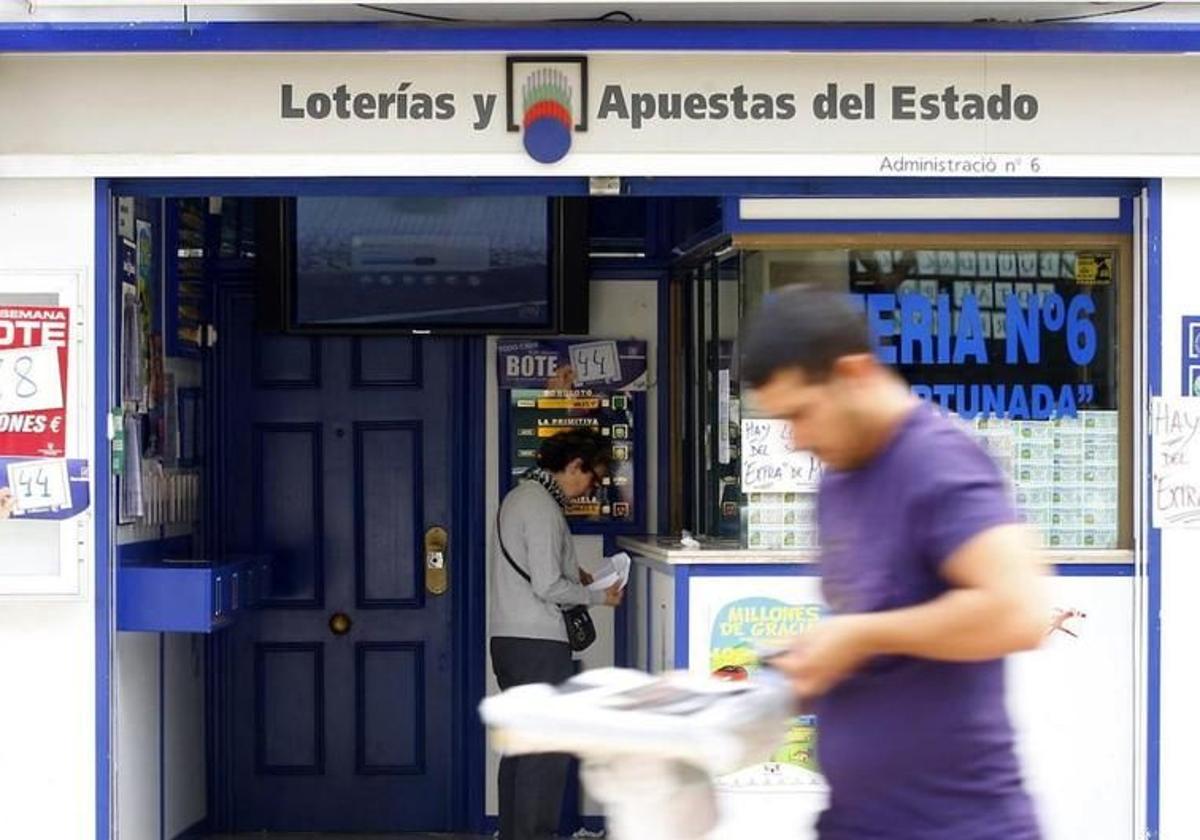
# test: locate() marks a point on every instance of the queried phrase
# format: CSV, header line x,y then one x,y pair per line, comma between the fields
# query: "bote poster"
x,y
33,380
744,628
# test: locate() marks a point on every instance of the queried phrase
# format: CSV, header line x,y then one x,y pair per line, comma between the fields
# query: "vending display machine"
x,y
549,386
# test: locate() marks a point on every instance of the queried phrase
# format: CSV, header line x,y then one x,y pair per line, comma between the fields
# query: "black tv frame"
x,y
569,276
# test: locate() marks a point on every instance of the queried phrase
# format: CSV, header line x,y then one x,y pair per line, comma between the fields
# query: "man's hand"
x,y
585,577
614,595
8,502
824,655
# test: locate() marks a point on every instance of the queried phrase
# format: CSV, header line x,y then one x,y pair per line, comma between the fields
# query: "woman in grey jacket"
x,y
528,636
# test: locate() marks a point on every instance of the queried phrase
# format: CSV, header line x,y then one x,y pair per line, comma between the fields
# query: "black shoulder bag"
x,y
581,632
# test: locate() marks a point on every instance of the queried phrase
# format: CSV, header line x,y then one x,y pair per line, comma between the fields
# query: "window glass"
x,y
1020,343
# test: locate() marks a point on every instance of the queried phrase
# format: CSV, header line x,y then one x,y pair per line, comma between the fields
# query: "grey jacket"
x,y
537,537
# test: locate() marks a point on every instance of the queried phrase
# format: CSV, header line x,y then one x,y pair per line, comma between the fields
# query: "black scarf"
x,y
547,480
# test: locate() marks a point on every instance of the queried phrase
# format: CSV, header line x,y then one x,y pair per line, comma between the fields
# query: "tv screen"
x,y
363,263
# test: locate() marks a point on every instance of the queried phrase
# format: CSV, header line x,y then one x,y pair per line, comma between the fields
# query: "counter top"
x,y
722,552
728,552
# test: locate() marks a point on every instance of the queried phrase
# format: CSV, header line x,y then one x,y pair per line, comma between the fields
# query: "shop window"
x,y
1025,341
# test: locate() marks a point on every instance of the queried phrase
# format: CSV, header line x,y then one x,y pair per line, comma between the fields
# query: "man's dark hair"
x,y
591,448
803,328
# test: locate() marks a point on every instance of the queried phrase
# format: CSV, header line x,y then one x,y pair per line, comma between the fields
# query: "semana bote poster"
x,y
34,342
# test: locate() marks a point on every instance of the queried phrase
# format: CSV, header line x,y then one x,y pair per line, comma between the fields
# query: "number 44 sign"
x,y
34,341
43,489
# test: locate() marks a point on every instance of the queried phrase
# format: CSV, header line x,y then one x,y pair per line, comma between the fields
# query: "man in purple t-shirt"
x,y
929,578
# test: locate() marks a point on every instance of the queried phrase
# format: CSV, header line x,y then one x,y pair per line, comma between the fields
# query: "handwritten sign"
x,y
770,464
39,485
29,380
596,362
1175,435
34,343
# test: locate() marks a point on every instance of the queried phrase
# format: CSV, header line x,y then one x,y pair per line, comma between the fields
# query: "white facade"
x,y
47,649
48,763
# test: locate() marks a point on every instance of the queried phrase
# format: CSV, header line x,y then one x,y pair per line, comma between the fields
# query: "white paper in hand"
x,y
615,569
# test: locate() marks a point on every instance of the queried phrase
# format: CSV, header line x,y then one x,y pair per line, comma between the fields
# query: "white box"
x,y
1066,496
1067,474
1033,497
1066,517
1066,537
1033,474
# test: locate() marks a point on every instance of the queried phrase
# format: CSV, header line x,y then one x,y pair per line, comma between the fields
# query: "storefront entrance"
x,y
341,696
300,565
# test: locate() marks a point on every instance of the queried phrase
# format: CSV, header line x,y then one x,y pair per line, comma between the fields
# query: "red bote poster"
x,y
33,380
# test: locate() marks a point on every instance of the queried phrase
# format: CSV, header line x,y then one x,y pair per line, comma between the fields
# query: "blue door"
x,y
336,458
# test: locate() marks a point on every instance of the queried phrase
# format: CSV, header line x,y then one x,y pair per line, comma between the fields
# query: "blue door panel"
x,y
290,718
391,730
387,362
287,361
287,514
388,513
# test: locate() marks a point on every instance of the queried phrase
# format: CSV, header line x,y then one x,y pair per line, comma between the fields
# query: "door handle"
x,y
437,559
340,624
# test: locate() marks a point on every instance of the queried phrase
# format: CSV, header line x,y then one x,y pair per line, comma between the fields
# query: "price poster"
x,y
537,415
33,380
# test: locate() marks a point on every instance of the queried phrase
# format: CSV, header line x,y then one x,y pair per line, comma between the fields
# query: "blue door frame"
x,y
1163,39
468,802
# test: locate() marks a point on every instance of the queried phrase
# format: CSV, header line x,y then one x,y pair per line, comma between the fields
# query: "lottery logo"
x,y
549,96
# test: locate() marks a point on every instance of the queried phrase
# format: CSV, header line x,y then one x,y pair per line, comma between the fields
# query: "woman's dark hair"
x,y
588,445
802,328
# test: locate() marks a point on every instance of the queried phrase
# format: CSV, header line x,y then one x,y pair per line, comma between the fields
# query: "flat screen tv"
x,y
423,264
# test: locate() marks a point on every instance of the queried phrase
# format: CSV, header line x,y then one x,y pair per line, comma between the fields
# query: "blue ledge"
x,y
595,36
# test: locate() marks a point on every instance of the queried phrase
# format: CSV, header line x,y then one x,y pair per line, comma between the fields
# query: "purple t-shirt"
x,y
915,749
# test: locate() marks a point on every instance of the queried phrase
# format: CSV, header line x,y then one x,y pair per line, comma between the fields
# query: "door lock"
x,y
437,572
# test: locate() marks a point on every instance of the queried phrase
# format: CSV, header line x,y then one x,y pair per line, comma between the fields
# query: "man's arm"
x,y
994,608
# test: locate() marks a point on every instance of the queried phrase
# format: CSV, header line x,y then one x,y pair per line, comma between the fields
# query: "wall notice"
x,y
33,380
1175,435
770,464
566,364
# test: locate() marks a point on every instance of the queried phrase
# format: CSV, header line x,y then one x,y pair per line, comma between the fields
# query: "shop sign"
x,y
33,380
619,114
564,364
944,331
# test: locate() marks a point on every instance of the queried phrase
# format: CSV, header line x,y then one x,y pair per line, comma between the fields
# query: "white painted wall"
x,y
161,770
1180,688
47,650
184,768
618,309
137,745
